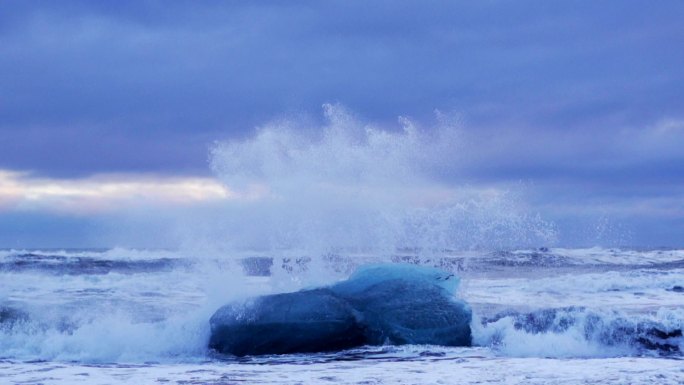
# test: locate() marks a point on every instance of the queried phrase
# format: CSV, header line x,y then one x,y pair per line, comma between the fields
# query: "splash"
x,y
581,332
352,187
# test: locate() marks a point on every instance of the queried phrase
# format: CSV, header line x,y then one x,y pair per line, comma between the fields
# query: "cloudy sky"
x,y
111,106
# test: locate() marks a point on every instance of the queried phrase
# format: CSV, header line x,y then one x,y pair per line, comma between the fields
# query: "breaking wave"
x,y
347,185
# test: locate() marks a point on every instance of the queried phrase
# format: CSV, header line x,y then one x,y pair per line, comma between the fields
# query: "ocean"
x,y
540,316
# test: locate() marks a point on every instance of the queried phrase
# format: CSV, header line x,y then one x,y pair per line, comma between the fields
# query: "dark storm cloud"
x,y
582,100
146,86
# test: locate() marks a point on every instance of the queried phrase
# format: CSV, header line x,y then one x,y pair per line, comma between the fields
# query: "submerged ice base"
x,y
379,304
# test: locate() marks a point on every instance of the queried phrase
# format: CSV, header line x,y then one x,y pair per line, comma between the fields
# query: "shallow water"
x,y
129,316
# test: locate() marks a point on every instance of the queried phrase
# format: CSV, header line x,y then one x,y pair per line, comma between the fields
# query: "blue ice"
x,y
378,304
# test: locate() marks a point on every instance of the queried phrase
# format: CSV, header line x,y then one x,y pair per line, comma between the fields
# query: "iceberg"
x,y
379,304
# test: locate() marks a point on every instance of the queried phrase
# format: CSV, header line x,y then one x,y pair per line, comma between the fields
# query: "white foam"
x,y
617,256
632,289
157,316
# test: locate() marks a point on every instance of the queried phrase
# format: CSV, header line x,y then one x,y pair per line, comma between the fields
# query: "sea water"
x,y
131,316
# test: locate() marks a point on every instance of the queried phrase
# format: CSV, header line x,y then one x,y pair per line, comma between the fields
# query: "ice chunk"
x,y
301,322
379,304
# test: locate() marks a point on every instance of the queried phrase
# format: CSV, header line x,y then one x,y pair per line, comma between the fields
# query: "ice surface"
x,y
391,303
408,304
305,321
369,275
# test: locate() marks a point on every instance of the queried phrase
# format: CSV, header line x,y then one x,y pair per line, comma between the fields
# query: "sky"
x,y
111,107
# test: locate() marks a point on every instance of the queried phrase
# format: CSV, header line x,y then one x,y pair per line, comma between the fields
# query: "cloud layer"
x,y
582,103
91,88
103,193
